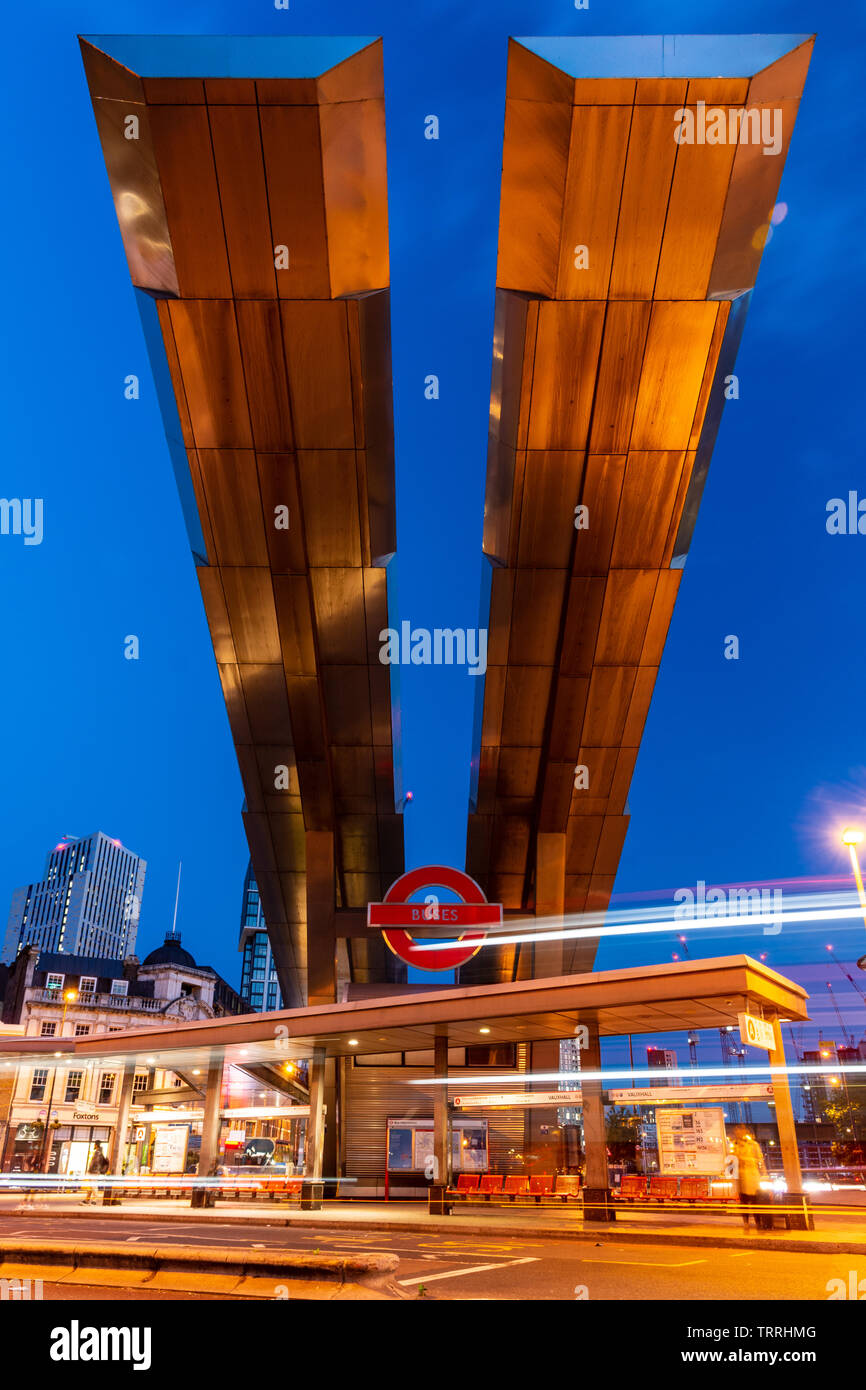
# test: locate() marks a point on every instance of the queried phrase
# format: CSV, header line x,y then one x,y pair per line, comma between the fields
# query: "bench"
x,y
567,1185
467,1185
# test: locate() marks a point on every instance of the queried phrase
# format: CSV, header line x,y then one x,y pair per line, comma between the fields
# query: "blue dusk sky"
x,y
748,768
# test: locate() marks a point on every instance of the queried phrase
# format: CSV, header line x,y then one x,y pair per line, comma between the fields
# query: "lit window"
x,y
73,1086
54,981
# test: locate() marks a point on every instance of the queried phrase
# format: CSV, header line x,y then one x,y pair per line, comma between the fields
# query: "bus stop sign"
x,y
396,916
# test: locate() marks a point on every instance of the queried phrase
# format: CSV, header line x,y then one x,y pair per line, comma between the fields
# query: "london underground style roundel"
x,y
396,917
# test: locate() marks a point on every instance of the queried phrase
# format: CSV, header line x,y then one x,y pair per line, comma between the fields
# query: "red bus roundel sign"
x,y
396,916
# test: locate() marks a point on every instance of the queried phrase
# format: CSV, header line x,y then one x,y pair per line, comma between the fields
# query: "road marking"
x,y
130,1239
476,1269
652,1264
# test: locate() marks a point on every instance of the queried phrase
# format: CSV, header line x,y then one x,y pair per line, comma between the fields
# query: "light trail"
x,y
802,909
649,1074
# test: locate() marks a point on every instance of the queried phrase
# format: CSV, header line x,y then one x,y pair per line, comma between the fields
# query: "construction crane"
x,y
848,976
731,1052
849,1040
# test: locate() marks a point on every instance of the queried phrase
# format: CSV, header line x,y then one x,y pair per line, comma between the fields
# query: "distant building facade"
x,y
87,903
54,995
260,988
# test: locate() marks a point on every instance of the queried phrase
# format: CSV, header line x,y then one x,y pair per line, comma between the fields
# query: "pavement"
x,y
836,1230
237,1271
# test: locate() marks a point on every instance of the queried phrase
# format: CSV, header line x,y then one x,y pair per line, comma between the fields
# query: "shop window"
x,y
47,1029
73,1086
38,1084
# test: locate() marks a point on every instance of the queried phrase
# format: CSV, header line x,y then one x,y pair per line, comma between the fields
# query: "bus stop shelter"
x,y
686,996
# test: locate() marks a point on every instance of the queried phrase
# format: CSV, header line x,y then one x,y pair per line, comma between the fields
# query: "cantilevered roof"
x,y
626,262
645,999
249,181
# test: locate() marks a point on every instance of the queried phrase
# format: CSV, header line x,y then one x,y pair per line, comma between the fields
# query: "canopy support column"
x,y
111,1196
210,1134
597,1204
441,1176
798,1218
312,1188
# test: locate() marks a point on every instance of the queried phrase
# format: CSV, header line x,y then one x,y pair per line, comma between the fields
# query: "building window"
x,y
120,987
47,1029
106,1087
82,1030
38,1084
54,981
139,1083
73,1086
87,984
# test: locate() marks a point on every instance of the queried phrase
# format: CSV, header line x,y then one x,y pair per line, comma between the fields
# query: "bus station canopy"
x,y
688,995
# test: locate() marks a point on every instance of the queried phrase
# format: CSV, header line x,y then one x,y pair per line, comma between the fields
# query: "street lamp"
x,y
69,997
851,838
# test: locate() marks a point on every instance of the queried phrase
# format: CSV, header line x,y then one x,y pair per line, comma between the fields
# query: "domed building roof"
x,y
170,953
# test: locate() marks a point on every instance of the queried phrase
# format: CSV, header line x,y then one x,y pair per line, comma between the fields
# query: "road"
x,y
463,1267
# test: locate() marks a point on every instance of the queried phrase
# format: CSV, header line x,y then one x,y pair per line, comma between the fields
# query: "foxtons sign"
x,y
396,916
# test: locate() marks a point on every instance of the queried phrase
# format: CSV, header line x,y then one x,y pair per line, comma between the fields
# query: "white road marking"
x,y
130,1239
476,1269
652,1264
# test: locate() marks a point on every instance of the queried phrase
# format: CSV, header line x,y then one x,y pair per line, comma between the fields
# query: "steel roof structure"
x,y
254,217
249,180
626,264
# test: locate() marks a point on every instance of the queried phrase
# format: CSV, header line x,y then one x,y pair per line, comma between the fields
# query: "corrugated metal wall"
x,y
376,1094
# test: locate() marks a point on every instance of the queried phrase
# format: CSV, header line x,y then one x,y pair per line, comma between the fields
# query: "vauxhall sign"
x,y
466,920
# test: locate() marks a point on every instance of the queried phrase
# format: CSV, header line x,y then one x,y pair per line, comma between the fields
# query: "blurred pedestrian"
x,y
97,1167
751,1168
